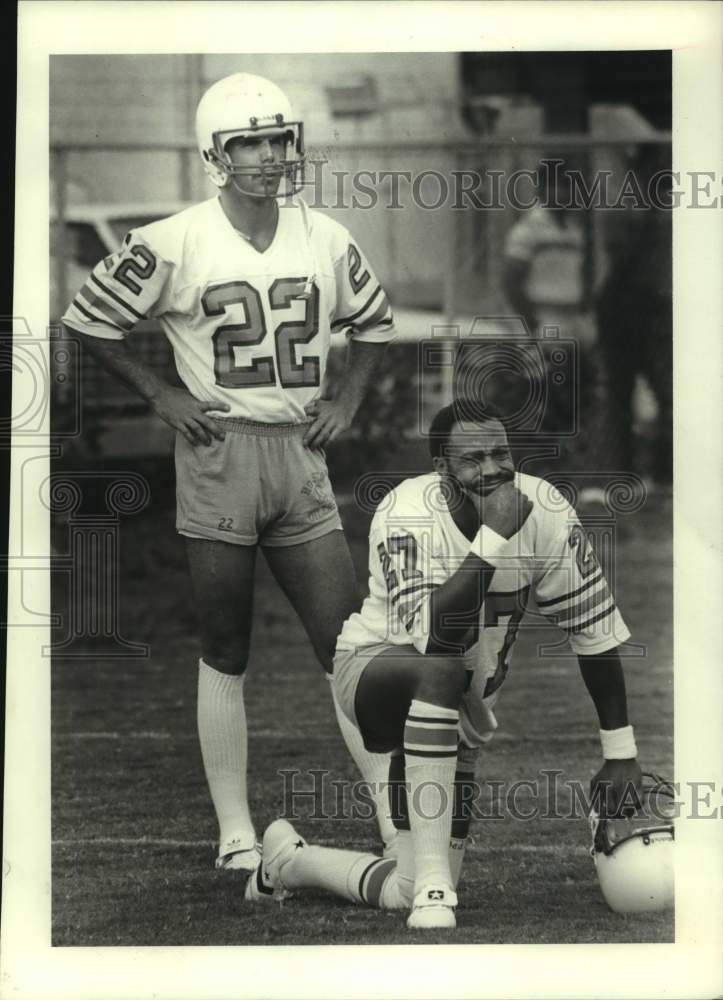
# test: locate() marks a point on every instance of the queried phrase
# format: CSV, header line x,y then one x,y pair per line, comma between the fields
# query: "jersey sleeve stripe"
x,y
378,315
347,320
577,611
118,299
88,314
111,314
573,593
591,621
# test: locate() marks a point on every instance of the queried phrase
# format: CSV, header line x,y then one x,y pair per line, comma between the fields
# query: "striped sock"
x,y
354,876
223,738
430,761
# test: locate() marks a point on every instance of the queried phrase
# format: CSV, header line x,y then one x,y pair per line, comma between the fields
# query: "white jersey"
x,y
415,546
246,327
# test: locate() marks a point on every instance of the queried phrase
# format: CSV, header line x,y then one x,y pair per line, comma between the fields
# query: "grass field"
x,y
133,826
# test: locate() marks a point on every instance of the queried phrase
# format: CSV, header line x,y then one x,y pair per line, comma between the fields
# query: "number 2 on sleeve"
x,y
584,555
142,264
356,280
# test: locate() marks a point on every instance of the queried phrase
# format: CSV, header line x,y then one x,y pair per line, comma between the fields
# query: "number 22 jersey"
x,y
250,328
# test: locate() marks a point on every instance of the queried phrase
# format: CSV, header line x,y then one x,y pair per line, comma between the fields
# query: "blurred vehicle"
x,y
90,232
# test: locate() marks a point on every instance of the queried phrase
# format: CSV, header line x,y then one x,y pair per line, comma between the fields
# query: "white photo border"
x,y
693,965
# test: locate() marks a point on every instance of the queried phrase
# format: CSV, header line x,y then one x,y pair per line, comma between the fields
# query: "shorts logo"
x,y
318,489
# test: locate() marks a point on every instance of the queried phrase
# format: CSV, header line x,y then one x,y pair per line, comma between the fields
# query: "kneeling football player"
x,y
454,558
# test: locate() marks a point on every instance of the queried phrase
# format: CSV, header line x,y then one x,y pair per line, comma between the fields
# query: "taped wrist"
x,y
618,744
489,546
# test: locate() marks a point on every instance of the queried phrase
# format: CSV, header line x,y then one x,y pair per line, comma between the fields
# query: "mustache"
x,y
497,480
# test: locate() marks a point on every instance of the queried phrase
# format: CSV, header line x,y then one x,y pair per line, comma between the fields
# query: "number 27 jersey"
x,y
252,329
415,546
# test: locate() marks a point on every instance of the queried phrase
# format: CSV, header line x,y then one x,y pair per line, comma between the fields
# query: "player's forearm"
x,y
454,607
118,358
363,363
605,681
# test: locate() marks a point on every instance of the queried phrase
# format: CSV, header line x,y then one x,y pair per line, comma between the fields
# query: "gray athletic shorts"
x,y
259,485
349,665
477,721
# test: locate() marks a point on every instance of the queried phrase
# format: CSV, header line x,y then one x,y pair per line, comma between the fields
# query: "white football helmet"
x,y
634,856
246,105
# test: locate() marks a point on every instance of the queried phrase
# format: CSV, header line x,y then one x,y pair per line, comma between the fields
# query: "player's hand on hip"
x,y
189,415
617,787
331,418
504,510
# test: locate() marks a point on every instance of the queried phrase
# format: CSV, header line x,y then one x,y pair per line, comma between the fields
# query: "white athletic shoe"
x,y
246,860
433,907
279,844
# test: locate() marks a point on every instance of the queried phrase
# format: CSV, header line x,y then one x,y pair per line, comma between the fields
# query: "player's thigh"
x,y
389,683
319,580
222,575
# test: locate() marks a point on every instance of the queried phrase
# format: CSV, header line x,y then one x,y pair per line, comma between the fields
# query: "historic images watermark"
x,y
315,794
551,185
85,507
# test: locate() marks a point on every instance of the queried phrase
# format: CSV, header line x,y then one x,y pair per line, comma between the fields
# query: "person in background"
x,y
634,313
544,282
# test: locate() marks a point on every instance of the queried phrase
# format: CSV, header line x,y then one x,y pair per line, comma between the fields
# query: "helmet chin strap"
x,y
251,194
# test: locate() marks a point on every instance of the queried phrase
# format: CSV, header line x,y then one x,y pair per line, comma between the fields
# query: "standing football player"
x,y
248,287
454,558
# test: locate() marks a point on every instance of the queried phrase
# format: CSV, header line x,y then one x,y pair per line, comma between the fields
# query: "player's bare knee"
x,y
442,680
227,657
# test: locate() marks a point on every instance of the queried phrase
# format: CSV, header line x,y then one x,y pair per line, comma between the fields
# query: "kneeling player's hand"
x,y
189,415
331,418
616,788
505,510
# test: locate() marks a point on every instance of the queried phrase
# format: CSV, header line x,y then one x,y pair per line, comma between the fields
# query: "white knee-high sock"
x,y
354,876
223,738
398,892
373,767
430,762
